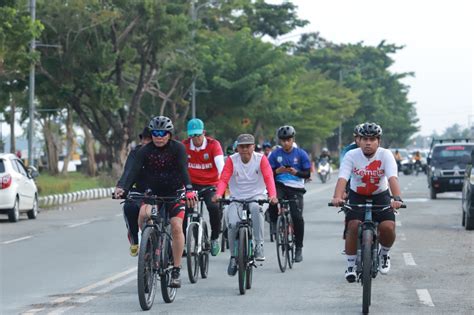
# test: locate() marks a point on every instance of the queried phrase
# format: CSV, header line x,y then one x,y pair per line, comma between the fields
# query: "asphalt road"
x,y
75,260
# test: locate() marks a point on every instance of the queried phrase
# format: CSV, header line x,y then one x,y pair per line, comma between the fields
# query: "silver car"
x,y
18,192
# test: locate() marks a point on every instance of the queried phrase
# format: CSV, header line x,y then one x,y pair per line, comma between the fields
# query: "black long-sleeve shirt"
x,y
139,184
164,169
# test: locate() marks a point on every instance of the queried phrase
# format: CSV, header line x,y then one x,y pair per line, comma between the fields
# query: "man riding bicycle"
x,y
205,163
165,170
291,166
249,176
372,171
131,208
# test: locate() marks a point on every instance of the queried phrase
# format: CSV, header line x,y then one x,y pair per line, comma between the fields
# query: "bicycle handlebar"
x,y
363,205
228,201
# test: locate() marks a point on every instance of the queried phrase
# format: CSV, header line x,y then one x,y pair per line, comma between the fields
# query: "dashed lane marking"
x,y
78,224
61,310
402,237
106,281
33,311
425,297
409,261
119,215
18,239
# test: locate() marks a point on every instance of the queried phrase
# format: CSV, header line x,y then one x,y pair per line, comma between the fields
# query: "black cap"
x,y
145,133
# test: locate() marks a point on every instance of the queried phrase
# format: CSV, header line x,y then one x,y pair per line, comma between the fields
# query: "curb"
x,y
96,193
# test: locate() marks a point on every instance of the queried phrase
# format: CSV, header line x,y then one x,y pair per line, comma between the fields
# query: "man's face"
x,y
369,145
197,139
160,139
287,144
245,151
145,140
267,151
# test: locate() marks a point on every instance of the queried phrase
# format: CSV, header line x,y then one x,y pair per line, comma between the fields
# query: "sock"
x,y
351,260
384,250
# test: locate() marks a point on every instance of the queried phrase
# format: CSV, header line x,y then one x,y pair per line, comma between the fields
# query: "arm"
x,y
219,161
128,165
344,175
225,177
182,157
268,177
135,169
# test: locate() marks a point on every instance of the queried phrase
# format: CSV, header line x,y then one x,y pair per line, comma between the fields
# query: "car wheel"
x,y
33,213
14,213
469,219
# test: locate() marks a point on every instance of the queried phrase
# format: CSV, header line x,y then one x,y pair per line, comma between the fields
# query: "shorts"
x,y
173,209
382,198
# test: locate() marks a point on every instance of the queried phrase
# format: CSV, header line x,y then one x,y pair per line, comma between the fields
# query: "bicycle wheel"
x,y
367,239
192,255
168,293
290,243
204,257
281,243
249,275
242,259
146,279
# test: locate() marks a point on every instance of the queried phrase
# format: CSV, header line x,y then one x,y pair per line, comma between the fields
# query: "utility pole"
x,y
31,90
193,85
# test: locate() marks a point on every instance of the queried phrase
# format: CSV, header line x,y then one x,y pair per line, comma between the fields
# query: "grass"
x,y
60,184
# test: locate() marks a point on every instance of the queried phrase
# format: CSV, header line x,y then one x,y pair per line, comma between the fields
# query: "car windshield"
x,y
452,151
2,167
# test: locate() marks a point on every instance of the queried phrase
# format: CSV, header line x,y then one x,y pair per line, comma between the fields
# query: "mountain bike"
x,y
285,238
155,257
367,261
197,240
244,248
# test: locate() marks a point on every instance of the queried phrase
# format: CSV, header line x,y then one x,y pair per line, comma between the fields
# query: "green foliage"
x,y
59,184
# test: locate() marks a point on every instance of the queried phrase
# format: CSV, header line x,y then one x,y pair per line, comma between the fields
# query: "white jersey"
x,y
247,179
368,176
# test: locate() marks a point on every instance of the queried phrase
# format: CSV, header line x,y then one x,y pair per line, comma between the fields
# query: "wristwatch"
x,y
397,198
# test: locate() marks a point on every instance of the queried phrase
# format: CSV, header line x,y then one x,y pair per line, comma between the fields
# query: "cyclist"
x,y
267,148
131,208
398,159
163,163
372,171
248,174
417,158
205,164
291,166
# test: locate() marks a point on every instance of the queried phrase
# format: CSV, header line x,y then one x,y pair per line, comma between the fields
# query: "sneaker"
x,y
232,269
384,264
134,250
351,274
215,247
259,256
175,280
298,254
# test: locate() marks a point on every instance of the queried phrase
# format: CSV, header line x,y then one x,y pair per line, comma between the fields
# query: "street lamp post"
x,y
31,90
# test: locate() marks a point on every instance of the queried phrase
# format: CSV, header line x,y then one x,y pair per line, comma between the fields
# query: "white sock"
x,y
351,260
384,250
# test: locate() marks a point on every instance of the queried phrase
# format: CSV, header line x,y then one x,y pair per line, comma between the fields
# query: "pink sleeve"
x,y
267,173
225,177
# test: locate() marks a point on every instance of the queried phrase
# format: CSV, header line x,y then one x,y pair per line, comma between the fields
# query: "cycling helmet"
x,y
258,148
286,132
357,130
325,150
266,145
161,123
370,130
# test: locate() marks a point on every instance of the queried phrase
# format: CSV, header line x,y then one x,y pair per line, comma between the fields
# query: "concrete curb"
x,y
55,200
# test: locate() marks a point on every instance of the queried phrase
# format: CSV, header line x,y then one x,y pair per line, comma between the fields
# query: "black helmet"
x,y
370,130
286,132
266,144
161,123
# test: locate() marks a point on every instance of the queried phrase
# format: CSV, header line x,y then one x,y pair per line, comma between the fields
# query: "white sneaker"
x,y
384,264
259,256
351,275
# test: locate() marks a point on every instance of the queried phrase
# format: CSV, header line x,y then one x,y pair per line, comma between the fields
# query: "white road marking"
x,y
424,297
117,284
398,223
85,299
61,310
78,224
32,311
409,261
18,239
61,299
119,215
106,281
402,237
416,199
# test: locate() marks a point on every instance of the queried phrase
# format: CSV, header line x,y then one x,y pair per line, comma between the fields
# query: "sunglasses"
x,y
159,133
196,135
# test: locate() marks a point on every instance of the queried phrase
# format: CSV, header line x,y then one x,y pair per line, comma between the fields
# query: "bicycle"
x,y
224,240
197,240
155,257
244,237
367,261
285,241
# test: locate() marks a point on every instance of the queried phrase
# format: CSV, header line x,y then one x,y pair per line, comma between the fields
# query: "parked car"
x,y
468,196
447,164
18,191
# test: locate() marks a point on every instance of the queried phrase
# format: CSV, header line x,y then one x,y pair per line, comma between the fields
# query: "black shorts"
x,y
379,199
173,209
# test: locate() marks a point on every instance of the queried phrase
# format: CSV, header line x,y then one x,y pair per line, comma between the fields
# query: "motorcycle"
x,y
324,170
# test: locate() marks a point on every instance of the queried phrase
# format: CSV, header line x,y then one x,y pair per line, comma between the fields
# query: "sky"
x,y
439,47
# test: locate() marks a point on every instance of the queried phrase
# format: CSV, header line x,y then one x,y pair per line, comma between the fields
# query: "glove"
x,y
191,194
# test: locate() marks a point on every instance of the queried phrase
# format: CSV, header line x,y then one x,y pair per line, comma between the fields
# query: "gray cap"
x,y
245,139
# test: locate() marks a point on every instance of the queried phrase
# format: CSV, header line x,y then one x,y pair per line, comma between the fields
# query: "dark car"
x,y
468,196
447,164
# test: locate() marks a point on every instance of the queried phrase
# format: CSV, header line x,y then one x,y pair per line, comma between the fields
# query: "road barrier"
x,y
61,199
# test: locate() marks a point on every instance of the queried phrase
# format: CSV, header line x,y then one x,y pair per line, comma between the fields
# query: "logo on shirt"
x,y
206,156
370,177
295,160
279,159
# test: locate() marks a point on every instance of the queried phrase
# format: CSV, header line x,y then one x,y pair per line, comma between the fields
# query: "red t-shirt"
x,y
201,165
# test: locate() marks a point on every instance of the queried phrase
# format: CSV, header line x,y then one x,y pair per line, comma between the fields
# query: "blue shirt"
x,y
296,158
346,149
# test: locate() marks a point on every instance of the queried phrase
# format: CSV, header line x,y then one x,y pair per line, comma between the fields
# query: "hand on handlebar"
x,y
396,204
337,201
273,200
191,198
118,192
215,198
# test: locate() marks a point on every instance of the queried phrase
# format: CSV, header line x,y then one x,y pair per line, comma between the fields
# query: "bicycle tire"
x,y
204,257
282,243
290,243
223,240
146,279
192,256
242,259
367,239
168,293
